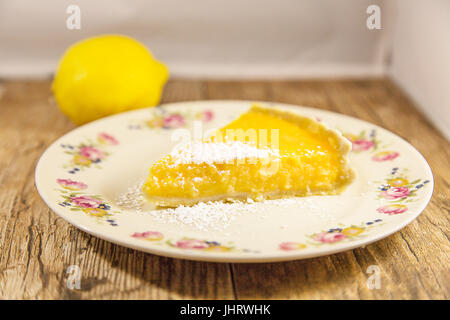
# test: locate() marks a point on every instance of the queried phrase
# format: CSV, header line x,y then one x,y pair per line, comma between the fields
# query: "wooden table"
x,y
37,246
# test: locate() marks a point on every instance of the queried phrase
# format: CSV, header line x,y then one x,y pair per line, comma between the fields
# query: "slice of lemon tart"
x,y
266,153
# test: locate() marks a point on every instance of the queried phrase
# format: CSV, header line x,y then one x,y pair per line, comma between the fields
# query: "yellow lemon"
x,y
105,75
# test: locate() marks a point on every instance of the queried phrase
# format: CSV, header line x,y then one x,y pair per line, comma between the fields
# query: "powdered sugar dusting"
x,y
132,198
217,216
214,152
204,216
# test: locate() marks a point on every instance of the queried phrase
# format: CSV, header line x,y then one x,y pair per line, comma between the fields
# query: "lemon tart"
x,y
265,153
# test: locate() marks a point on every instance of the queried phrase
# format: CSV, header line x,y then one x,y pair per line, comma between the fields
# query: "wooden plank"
x,y
36,246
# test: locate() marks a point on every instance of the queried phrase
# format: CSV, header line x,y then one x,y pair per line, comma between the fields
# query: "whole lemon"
x,y
107,74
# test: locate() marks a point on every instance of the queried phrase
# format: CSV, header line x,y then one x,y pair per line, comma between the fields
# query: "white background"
x,y
264,39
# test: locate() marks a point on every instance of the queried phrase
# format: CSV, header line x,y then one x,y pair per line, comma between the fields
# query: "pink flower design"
x,y
393,209
206,115
71,185
329,237
288,246
91,153
86,201
107,139
191,244
362,145
173,121
148,235
395,193
385,156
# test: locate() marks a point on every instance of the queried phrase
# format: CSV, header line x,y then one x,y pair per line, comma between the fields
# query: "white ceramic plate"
x,y
83,173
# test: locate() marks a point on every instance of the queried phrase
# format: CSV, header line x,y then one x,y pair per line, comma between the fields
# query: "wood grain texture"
x,y
36,246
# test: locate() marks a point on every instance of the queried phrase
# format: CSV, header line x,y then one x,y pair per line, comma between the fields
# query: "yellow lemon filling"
x,y
266,153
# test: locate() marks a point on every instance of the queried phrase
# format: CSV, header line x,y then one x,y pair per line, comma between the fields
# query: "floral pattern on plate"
x,y
398,188
162,118
343,233
204,245
385,156
76,200
89,153
188,243
331,236
368,142
363,141
148,235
